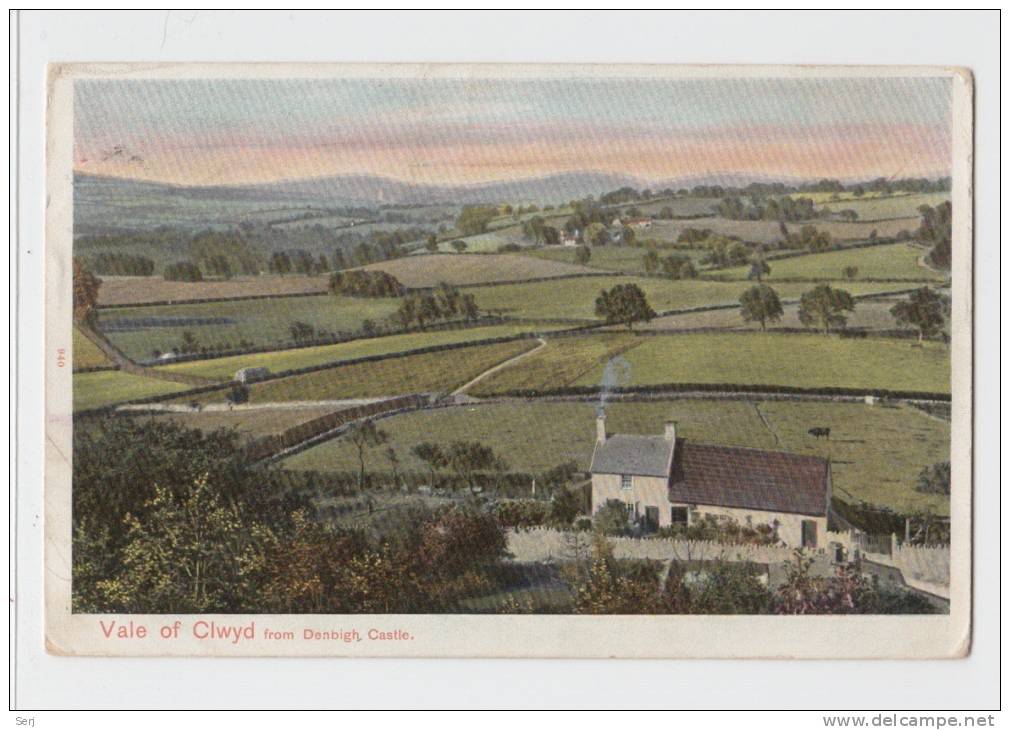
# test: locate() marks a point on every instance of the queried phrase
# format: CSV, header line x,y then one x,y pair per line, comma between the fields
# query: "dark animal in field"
x,y
820,431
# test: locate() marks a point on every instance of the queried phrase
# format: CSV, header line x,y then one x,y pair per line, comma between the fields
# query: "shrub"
x,y
183,271
365,284
612,518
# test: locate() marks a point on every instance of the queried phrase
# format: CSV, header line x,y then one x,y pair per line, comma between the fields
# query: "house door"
x,y
651,519
809,534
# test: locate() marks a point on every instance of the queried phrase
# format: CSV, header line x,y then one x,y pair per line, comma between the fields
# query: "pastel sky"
x,y
455,131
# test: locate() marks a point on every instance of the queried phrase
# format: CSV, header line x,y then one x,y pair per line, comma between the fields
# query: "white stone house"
x,y
248,375
665,480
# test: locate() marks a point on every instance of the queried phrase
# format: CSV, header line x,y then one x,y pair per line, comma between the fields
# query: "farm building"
x,y
248,375
569,239
665,480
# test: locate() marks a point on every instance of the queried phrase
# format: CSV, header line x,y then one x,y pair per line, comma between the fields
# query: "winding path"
x,y
500,366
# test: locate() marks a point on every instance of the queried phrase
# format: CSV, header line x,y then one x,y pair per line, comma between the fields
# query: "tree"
x,y
182,271
551,236
924,310
470,458
612,518
459,246
427,310
468,307
432,455
934,479
86,286
301,332
407,312
280,263
449,299
582,255
238,394
850,272
339,260
322,265
935,231
650,262
825,307
431,243
595,234
624,304
474,219
186,556
760,304
364,435
758,266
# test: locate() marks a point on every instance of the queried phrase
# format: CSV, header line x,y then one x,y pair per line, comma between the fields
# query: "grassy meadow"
x,y
429,372
889,261
462,269
94,390
876,452
224,368
575,299
86,353
744,358
768,232
870,314
261,322
125,290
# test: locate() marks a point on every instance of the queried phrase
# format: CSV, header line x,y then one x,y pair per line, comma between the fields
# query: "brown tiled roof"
x,y
727,476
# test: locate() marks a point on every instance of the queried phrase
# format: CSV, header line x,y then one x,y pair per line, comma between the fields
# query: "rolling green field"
x,y
870,314
430,372
261,321
93,390
461,269
250,424
769,232
609,258
86,353
745,358
576,298
892,261
303,357
876,452
879,208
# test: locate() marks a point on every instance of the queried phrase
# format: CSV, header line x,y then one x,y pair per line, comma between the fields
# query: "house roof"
x,y
648,456
727,476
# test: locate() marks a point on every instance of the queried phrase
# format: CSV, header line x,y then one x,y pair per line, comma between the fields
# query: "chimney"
x,y
670,431
601,425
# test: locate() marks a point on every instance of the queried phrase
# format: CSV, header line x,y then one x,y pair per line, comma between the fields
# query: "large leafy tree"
x,y
760,304
825,307
364,435
86,286
624,304
935,231
469,459
924,309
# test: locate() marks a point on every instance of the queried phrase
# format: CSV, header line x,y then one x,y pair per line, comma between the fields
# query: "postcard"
x,y
508,361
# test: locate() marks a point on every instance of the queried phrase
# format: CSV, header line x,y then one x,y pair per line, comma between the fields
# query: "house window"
x,y
809,534
678,515
625,481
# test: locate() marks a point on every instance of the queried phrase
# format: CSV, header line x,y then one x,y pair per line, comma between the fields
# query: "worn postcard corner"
x,y
508,361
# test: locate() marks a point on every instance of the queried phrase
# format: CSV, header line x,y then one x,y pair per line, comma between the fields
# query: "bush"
x,y
183,271
612,518
365,284
522,514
